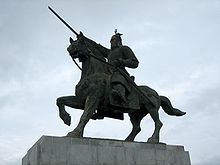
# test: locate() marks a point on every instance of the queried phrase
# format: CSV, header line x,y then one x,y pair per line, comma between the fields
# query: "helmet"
x,y
117,37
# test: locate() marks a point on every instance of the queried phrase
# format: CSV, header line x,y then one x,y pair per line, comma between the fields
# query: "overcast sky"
x,y
176,42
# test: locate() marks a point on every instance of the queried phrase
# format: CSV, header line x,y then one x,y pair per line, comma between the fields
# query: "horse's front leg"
x,y
135,118
70,101
90,107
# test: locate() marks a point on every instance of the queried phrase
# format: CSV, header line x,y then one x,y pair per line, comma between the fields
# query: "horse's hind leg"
x,y
158,124
90,107
70,101
135,118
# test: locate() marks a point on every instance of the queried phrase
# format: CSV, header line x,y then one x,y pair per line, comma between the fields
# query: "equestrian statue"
x,y
106,89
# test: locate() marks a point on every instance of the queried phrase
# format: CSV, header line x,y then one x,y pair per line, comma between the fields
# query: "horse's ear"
x,y
71,40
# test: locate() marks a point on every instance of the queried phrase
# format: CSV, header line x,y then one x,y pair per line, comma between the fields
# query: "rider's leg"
x,y
118,92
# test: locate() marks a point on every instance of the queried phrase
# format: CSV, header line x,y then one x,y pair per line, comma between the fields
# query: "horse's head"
x,y
88,54
78,49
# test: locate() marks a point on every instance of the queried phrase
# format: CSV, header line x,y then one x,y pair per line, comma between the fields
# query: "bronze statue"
x,y
106,89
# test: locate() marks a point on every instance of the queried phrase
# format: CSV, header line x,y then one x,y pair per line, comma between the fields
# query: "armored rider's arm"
x,y
129,59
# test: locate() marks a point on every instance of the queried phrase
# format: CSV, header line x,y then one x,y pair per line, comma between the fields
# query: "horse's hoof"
x,y
153,140
66,118
74,134
128,139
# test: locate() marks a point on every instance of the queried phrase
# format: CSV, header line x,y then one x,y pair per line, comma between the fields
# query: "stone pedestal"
x,y
50,150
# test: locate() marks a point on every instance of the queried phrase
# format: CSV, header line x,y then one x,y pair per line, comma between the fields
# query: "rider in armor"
x,y
119,56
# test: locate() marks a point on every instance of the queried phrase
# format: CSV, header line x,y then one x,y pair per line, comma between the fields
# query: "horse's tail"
x,y
168,108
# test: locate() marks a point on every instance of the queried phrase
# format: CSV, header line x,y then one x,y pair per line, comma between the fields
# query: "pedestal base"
x,y
50,150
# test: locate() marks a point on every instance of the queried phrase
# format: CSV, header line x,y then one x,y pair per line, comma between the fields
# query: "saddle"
x,y
112,108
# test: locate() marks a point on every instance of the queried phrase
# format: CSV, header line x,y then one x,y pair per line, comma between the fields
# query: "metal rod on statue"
x,y
61,19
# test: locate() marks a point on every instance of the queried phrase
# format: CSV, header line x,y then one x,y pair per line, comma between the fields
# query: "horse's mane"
x,y
97,60
95,51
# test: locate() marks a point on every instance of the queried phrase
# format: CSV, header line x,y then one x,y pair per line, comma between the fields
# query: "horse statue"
x,y
92,94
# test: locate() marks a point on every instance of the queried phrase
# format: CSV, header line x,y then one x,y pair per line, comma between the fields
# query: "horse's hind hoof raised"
x,y
66,118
